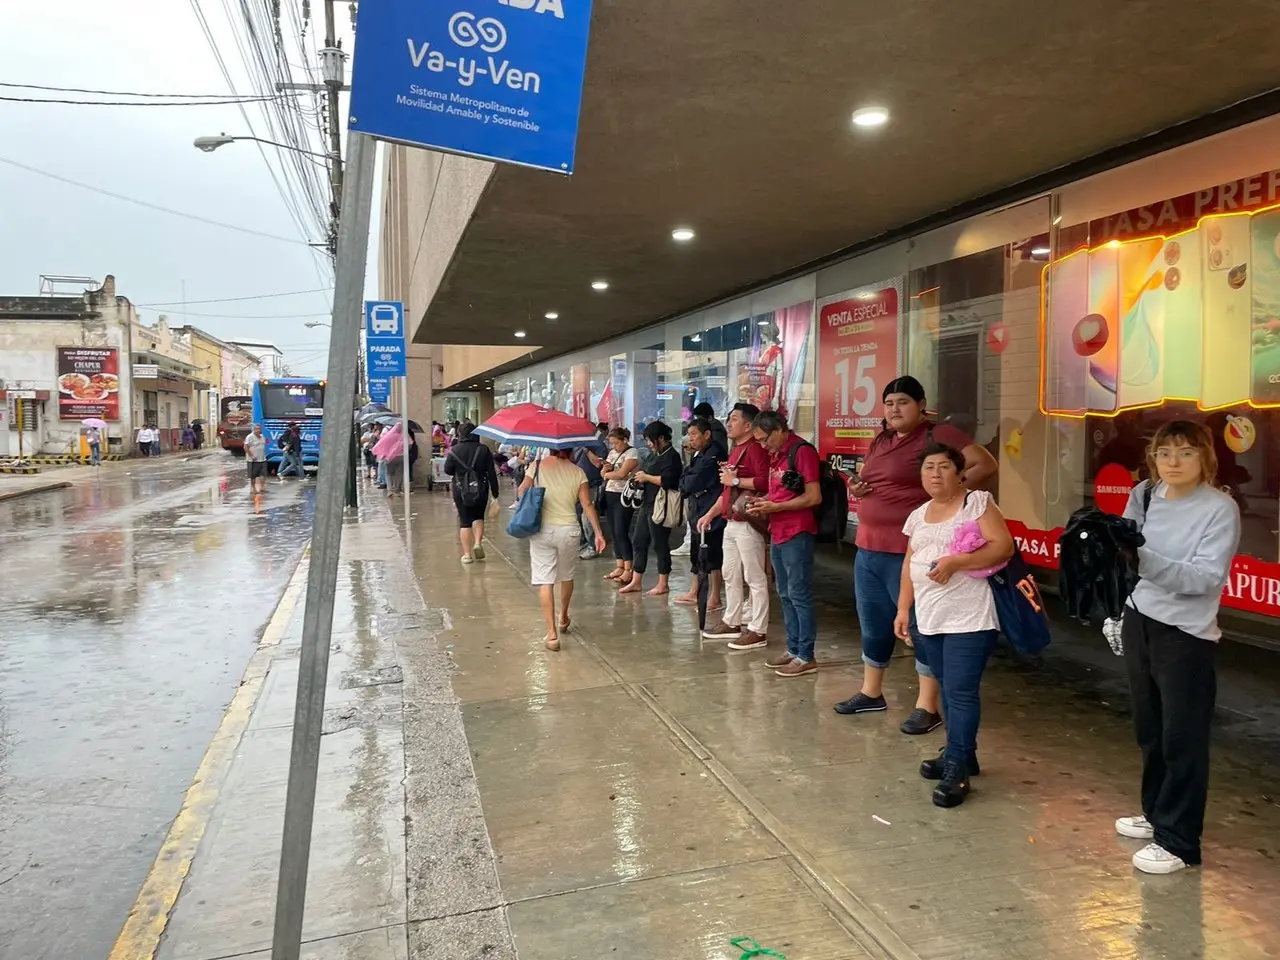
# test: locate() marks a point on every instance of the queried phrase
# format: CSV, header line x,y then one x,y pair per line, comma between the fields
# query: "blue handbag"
x,y
1020,607
527,518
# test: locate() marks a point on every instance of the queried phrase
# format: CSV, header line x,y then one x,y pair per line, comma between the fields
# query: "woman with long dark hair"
x,y
621,462
887,490
1170,633
661,473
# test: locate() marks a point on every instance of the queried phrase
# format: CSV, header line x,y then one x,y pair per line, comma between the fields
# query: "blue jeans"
x,y
95,453
793,572
958,660
382,473
877,577
290,461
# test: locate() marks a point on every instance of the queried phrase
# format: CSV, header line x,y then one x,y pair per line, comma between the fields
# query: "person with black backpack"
x,y
791,504
475,480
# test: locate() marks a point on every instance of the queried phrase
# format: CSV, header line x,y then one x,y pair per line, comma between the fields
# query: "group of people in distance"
x,y
928,536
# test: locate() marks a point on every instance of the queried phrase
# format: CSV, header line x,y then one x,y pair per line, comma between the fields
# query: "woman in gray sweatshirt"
x,y
1171,633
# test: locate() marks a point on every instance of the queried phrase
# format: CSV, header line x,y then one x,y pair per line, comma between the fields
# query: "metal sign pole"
x,y
404,425
326,539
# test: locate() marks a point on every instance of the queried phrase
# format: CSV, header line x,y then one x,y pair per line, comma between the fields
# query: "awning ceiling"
x,y
732,116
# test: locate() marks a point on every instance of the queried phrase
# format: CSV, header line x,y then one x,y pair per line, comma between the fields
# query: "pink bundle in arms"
x,y
968,539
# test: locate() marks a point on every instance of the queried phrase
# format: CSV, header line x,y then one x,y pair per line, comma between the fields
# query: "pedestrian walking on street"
x,y
93,436
197,430
390,450
621,463
746,540
290,443
954,609
591,464
255,457
887,490
155,441
1170,634
144,441
700,486
188,438
794,494
475,481
661,474
553,550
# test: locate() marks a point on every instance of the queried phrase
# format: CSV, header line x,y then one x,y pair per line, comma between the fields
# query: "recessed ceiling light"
x,y
870,116
1039,251
682,234
599,284
519,334
551,315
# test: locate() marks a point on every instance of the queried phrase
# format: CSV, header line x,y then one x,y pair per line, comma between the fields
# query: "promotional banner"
x,y
857,357
580,381
88,383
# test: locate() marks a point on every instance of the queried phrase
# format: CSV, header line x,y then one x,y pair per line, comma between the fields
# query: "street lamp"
x,y
210,144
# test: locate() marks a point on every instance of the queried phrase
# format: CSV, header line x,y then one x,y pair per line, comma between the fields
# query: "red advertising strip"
x,y
1253,585
88,383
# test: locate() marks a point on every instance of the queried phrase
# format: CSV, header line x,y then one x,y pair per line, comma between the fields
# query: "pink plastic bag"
x,y
968,539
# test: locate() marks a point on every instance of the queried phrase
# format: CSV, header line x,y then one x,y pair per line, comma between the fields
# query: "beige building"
x,y
169,385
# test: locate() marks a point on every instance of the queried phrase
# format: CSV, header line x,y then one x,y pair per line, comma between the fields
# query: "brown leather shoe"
x,y
722,631
749,641
780,661
797,668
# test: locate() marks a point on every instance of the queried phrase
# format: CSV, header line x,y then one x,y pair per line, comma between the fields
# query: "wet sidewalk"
x,y
650,795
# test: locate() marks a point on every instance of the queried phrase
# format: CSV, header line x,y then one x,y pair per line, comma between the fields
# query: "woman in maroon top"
x,y
887,490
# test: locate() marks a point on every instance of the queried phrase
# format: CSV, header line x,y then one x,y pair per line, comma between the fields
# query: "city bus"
x,y
280,403
235,422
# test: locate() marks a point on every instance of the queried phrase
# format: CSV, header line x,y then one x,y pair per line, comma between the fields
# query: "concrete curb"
x,y
40,488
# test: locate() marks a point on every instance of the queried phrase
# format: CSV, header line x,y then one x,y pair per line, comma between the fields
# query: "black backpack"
x,y
468,485
833,513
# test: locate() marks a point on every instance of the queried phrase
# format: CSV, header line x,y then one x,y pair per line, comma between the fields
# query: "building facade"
x,y
64,359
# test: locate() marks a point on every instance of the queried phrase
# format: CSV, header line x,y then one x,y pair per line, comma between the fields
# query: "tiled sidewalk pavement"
x,y
650,795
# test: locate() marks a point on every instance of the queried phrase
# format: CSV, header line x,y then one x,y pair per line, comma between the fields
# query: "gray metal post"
x,y
326,539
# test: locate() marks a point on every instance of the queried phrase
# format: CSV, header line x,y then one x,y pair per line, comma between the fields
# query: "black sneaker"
x,y
932,769
954,786
921,721
861,703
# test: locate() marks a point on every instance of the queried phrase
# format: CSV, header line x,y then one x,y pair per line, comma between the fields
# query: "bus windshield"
x,y
291,401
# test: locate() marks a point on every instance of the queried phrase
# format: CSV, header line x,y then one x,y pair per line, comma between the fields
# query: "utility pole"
x,y
333,68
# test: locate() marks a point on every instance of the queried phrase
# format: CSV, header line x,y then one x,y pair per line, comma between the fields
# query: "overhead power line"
x,y
257,316
260,296
151,206
138,103
123,93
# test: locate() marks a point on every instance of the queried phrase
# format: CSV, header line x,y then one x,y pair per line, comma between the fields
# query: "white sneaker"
x,y
1154,858
682,550
1136,828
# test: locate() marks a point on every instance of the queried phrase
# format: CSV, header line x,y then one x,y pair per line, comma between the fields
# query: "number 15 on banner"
x,y
856,398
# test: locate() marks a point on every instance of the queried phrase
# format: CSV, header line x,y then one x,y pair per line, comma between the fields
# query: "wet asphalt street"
x,y
129,607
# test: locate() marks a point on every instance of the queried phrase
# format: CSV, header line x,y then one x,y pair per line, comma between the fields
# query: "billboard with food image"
x,y
88,383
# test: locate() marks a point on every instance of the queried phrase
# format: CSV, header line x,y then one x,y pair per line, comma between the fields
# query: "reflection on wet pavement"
x,y
652,793
131,605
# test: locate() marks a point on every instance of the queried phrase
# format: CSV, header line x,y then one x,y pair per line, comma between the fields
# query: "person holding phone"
x,y
888,489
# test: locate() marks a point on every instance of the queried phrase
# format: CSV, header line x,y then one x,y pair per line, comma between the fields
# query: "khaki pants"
x,y
745,550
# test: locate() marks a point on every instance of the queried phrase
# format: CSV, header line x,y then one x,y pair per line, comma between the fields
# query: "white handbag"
x,y
668,509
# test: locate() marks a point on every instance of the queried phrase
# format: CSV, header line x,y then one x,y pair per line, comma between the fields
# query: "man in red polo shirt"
x,y
794,495
746,471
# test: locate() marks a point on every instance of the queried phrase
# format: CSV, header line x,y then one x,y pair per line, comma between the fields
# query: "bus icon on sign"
x,y
384,318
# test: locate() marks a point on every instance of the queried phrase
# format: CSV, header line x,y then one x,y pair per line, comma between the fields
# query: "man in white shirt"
x,y
255,456
145,439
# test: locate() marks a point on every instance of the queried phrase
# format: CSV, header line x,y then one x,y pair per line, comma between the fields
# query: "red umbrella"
x,y
535,426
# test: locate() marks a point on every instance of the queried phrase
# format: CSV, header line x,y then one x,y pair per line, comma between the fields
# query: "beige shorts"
x,y
553,554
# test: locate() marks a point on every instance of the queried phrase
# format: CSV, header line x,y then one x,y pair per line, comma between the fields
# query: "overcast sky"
x,y
146,153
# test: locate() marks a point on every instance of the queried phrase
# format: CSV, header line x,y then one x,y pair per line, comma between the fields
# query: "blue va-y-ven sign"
x,y
384,338
379,389
499,79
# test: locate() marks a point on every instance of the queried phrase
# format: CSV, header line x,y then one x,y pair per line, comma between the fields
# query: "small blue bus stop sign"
x,y
379,389
498,79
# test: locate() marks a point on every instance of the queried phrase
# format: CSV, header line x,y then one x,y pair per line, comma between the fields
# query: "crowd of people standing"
x,y
747,496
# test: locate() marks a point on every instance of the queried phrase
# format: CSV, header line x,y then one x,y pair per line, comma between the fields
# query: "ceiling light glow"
x,y
682,234
870,116
520,334
599,284
551,315
1039,251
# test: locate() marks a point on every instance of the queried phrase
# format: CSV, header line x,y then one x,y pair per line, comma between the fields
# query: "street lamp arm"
x,y
210,144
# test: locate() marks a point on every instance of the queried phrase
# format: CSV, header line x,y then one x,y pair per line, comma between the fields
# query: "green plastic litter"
x,y
751,949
